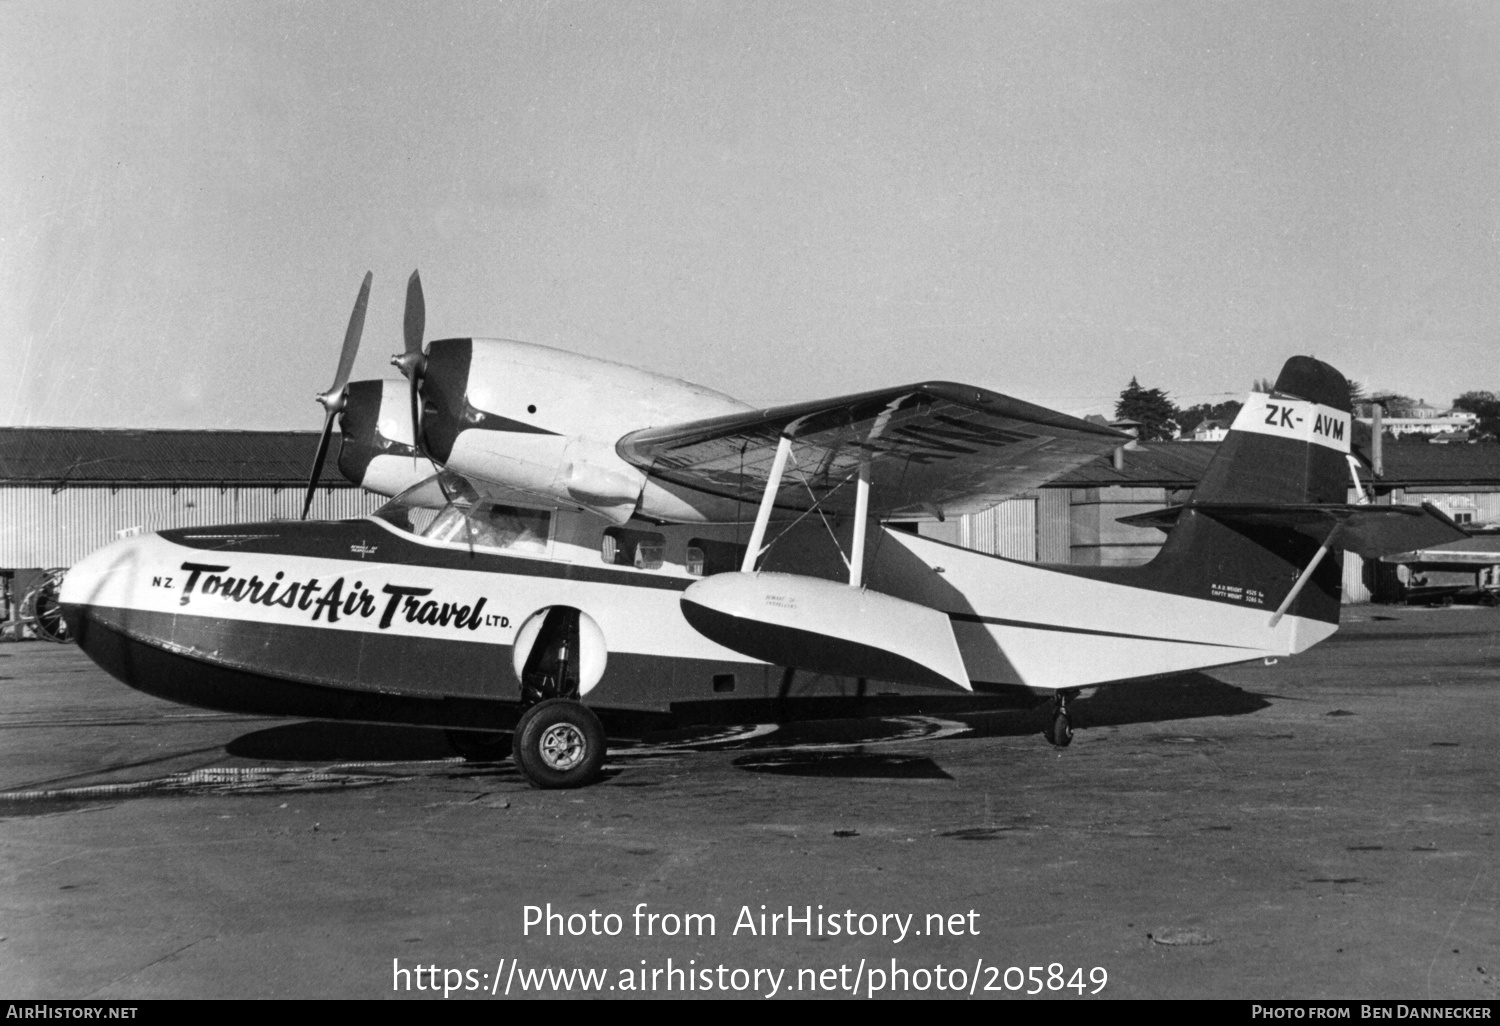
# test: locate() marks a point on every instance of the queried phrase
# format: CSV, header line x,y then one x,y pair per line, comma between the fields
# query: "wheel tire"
x,y
559,743
1061,732
479,745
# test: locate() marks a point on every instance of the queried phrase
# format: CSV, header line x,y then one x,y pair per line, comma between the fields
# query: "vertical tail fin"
x,y
1286,448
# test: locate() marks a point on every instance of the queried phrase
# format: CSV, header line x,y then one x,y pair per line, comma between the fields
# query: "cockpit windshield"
x,y
447,509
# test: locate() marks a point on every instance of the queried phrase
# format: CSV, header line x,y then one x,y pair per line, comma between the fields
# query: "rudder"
x,y
1289,446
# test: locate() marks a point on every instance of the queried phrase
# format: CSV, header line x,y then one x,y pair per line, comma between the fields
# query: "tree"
x,y
1487,406
1394,403
1150,408
1225,412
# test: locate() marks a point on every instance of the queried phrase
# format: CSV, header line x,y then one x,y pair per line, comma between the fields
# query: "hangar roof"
x,y
1417,464
92,456
1147,465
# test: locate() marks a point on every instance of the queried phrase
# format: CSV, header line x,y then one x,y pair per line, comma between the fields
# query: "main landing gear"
x,y
558,742
1059,724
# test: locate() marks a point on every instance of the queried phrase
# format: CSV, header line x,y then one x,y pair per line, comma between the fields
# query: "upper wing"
x,y
934,449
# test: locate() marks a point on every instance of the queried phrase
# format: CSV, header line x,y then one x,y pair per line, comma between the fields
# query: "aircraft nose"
x,y
102,580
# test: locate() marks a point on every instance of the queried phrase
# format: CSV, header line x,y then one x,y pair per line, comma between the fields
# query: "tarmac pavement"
x,y
1321,828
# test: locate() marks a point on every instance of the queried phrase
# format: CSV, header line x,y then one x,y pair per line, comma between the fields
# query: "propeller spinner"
x,y
337,396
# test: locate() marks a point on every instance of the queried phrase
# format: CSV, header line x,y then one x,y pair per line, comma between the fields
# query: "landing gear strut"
x,y
1059,724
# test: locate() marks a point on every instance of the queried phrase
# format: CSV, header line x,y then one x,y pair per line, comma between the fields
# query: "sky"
x,y
782,201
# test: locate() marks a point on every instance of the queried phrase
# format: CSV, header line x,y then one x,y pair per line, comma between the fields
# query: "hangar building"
x,y
1074,519
65,492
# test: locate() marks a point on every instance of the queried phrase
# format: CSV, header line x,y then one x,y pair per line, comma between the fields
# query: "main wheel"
x,y
559,743
479,745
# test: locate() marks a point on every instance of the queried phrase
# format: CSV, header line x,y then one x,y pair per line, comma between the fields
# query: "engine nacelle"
x,y
376,450
543,423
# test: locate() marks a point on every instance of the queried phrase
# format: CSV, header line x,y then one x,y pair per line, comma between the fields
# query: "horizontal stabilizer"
x,y
1368,531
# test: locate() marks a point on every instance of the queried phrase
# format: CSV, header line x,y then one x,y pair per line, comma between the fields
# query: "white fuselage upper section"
x,y
579,407
570,394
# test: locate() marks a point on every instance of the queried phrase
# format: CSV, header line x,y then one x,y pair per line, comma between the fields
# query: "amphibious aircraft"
x,y
572,544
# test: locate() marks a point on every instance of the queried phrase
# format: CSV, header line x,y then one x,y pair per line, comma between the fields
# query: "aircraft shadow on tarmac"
x,y
807,734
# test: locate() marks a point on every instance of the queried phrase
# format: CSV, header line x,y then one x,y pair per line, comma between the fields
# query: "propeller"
x,y
413,362
335,398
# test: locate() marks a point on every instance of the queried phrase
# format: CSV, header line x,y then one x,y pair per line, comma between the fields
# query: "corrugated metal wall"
x,y
40,528
1098,537
1054,531
1008,529
1355,592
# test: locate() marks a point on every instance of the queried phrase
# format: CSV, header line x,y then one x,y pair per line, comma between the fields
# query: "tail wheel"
x,y
40,606
1060,725
559,743
1060,733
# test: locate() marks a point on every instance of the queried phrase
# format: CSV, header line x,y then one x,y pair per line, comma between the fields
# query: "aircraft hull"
x,y
360,620
140,609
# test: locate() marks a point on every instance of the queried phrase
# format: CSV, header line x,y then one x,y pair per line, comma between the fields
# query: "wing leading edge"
x,y
934,449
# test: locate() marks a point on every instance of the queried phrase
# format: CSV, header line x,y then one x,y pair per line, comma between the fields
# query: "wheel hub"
x,y
563,746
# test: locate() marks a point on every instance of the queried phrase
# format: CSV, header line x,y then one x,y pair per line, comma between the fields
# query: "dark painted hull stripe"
x,y
1029,625
335,541
179,678
639,692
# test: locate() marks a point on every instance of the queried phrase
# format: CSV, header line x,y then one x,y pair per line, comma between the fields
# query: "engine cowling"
x,y
376,451
543,423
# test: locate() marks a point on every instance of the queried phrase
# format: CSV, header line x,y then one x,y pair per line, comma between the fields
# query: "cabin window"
x,y
723,683
706,557
491,526
643,550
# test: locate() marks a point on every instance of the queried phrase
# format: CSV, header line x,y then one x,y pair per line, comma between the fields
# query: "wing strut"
x,y
861,515
1306,576
767,501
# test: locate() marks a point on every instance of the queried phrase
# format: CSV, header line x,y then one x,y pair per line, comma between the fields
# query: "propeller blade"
x,y
317,467
415,323
333,399
351,335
